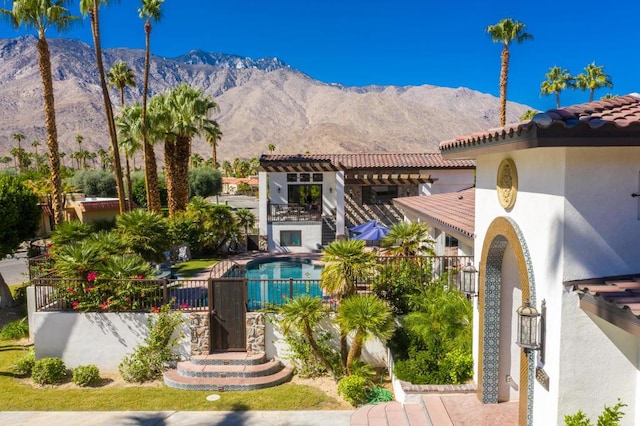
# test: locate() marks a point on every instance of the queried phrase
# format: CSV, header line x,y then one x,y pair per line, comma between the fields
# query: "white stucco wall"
x,y
311,235
448,181
578,219
94,338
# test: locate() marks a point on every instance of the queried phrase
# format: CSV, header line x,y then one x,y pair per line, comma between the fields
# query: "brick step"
x,y
189,369
391,414
172,378
229,358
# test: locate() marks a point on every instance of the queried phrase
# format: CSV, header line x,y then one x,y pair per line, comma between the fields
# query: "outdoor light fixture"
x,y
330,190
467,282
278,190
527,337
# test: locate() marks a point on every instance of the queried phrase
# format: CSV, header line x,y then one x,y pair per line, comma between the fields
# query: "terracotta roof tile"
x,y
617,113
373,160
624,293
455,210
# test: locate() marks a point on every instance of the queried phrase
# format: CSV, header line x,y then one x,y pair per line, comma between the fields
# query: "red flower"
x,y
48,245
70,290
74,304
155,310
184,305
88,289
104,306
91,276
140,277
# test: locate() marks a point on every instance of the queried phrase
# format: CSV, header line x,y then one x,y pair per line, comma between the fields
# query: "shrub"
x,y
148,360
86,375
24,365
610,416
47,371
354,389
15,330
204,181
95,183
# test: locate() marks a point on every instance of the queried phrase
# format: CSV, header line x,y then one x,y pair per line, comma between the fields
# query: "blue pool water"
x,y
270,282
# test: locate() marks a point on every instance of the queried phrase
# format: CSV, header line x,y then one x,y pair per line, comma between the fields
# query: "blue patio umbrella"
x,y
365,226
376,233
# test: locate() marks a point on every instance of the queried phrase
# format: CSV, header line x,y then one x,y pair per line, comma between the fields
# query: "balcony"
x,y
294,213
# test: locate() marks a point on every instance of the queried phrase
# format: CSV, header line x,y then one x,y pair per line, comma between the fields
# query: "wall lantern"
x,y
278,190
330,190
527,337
467,282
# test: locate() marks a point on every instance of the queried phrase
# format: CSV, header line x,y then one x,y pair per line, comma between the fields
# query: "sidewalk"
x,y
176,418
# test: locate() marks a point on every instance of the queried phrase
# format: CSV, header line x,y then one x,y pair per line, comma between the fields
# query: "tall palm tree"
x,y
35,144
346,263
92,8
506,31
121,76
42,15
558,79
196,160
149,10
213,136
246,219
305,313
18,137
408,239
79,139
593,79
129,123
271,147
366,316
528,115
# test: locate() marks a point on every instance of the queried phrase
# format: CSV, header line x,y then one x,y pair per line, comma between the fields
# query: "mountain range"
x,y
262,101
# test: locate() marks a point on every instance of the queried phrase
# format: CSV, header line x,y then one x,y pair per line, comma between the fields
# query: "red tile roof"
x,y
234,181
609,122
372,160
101,205
455,210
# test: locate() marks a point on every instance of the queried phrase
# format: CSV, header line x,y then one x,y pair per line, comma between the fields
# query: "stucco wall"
x,y
311,235
448,181
94,338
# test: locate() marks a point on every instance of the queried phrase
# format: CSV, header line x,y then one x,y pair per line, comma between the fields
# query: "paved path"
x,y
176,418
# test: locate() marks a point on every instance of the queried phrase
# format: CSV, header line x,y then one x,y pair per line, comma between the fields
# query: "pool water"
x,y
271,282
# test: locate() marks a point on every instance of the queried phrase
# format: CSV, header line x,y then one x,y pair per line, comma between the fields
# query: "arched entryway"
x,y
505,282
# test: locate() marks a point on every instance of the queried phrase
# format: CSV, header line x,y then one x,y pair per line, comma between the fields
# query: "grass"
x,y
19,395
193,267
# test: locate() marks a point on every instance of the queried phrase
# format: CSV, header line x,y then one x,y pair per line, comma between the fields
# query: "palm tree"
x,y
92,8
18,137
79,139
408,239
35,144
245,219
196,160
150,10
144,233
593,79
506,31
212,136
305,313
42,15
271,147
129,123
557,80
346,263
528,115
121,76
366,316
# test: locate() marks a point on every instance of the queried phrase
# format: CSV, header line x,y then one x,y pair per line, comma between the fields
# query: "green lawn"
x,y
193,267
19,395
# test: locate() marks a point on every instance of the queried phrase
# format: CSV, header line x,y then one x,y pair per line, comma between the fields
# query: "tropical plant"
x,y
129,123
70,232
408,239
506,31
120,76
610,416
365,316
246,219
42,15
401,278
593,79
76,261
92,8
304,314
20,215
145,233
558,79
150,10
15,330
271,147
212,136
528,115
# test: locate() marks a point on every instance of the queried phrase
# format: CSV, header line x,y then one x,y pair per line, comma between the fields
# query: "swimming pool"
x,y
271,281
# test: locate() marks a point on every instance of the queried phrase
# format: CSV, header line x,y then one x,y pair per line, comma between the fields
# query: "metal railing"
x,y
128,295
294,213
270,294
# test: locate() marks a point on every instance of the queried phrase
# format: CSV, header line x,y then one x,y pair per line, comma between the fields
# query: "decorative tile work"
x,y
501,232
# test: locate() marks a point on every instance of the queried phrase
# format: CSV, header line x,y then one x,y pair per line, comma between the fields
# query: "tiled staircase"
x,y
430,411
227,371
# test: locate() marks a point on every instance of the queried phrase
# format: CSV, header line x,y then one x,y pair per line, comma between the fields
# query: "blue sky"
x,y
400,42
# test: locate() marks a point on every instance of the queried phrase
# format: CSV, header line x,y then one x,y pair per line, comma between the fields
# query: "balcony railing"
x,y
294,212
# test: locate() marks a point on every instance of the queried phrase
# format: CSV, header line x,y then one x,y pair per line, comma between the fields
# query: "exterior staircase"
x,y
430,411
228,371
328,230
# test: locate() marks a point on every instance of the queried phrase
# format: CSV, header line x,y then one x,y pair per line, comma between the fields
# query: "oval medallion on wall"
x,y
507,183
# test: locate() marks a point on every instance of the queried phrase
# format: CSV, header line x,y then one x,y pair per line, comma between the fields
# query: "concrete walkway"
x,y
176,418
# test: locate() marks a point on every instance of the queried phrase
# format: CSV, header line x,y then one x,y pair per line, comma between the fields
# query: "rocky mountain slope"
x,y
261,101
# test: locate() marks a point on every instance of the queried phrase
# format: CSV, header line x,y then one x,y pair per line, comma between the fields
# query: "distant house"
x,y
557,226
233,185
450,216
312,199
91,209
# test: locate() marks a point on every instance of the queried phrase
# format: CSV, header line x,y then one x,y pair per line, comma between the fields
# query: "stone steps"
x,y
228,371
430,411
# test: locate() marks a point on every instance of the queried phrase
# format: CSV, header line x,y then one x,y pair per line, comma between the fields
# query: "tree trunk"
x,y
316,349
170,175
6,299
215,154
150,167
355,351
591,92
50,123
129,185
115,151
504,73
183,152
557,99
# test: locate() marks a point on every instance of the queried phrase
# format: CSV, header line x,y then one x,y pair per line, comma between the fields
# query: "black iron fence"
x,y
294,213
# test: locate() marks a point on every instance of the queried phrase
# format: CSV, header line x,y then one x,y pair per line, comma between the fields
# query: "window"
x,y
292,177
291,238
317,177
305,177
